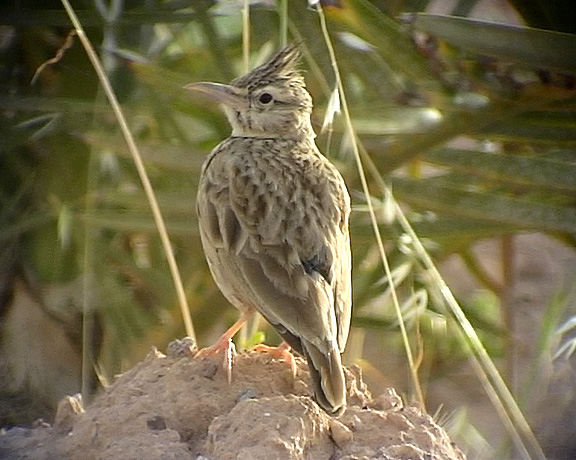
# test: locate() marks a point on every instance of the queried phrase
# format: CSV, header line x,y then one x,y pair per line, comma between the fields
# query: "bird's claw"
x,y
282,352
225,346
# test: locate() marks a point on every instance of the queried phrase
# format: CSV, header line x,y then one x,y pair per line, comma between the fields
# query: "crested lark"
x,y
273,215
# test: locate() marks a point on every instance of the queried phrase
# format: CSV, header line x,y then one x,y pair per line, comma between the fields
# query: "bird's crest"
x,y
281,67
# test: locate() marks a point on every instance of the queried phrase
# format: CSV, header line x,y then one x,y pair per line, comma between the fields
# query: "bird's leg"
x,y
282,351
225,344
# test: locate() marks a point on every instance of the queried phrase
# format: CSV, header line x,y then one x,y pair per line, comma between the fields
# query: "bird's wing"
x,y
295,252
277,236
342,287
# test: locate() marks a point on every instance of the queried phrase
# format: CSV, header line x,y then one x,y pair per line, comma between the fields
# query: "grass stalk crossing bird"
x,y
273,215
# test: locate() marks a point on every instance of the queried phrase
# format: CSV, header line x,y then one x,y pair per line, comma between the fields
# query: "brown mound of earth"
x,y
177,407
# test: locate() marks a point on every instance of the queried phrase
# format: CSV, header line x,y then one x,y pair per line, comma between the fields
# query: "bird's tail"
x,y
328,378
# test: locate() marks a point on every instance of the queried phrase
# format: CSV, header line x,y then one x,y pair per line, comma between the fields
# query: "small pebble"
x,y
68,408
209,369
340,433
388,400
156,423
248,393
182,348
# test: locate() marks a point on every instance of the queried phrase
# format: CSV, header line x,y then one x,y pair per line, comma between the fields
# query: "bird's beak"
x,y
226,94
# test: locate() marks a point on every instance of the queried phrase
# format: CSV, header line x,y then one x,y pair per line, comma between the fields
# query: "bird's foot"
x,y
223,345
226,346
282,352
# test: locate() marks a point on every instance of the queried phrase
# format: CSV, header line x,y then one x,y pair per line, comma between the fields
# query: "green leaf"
x,y
550,175
490,206
173,203
391,41
533,47
53,17
134,222
398,120
455,232
521,129
186,159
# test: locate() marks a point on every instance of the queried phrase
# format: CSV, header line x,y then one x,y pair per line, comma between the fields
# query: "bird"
x,y
273,214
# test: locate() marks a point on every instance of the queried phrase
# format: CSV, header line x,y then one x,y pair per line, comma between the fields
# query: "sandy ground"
x,y
181,407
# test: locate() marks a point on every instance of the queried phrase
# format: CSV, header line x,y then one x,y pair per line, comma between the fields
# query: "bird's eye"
x,y
265,98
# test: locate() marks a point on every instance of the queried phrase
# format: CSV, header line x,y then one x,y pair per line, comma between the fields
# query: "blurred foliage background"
x,y
471,123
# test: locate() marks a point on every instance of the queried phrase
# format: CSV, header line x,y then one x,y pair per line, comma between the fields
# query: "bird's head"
x,y
270,101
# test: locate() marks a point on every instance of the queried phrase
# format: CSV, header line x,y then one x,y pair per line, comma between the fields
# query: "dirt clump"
x,y
178,407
